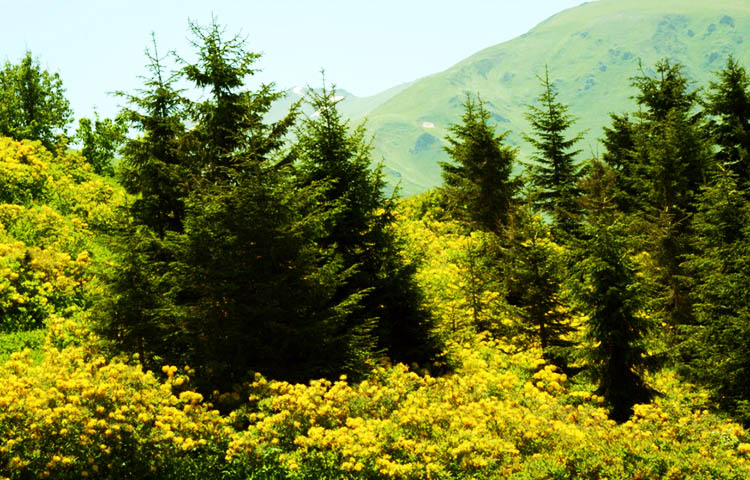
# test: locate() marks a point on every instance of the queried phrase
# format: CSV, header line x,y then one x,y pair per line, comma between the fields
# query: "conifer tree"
x,y
608,290
477,184
616,329
718,344
554,173
620,155
253,286
226,253
672,161
154,166
534,269
136,313
359,232
728,103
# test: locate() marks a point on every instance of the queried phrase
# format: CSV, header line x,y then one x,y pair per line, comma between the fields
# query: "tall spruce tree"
x,y
672,161
477,184
718,344
553,173
534,269
135,313
224,267
728,104
253,287
608,290
359,231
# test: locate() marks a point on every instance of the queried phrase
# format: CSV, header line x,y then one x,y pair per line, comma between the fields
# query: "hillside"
x,y
68,412
592,52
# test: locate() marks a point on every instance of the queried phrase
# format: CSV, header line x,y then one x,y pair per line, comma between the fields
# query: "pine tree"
x,y
728,103
609,294
32,103
223,266
136,313
359,231
620,155
477,184
553,175
718,344
607,286
154,166
672,160
534,268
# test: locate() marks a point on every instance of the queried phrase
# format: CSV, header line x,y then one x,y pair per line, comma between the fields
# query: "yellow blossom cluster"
x,y
76,416
499,415
48,208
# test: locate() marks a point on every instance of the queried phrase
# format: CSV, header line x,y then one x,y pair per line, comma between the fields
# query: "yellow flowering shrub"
x,y
500,415
50,209
77,416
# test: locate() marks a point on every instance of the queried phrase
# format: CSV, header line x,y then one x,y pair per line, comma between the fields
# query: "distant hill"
x,y
592,52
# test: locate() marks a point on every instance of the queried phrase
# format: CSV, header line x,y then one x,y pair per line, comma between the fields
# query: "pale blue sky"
x,y
364,46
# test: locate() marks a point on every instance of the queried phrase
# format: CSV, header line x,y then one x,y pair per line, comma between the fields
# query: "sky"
x,y
364,46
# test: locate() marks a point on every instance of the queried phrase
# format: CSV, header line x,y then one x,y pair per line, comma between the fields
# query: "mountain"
x,y
592,52
351,106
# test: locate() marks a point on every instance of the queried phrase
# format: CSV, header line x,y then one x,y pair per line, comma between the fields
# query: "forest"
x,y
190,290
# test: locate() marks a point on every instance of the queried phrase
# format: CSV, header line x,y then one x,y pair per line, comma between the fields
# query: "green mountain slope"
x,y
592,52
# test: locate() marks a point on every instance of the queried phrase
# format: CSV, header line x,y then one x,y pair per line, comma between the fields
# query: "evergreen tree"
x,y
229,126
477,184
359,232
254,291
32,103
718,344
672,160
534,268
154,165
728,103
224,251
620,155
136,312
553,175
616,328
254,285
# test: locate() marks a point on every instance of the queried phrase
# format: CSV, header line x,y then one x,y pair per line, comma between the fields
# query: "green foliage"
x,y
458,272
554,174
20,341
476,184
728,102
153,164
610,293
32,103
717,344
254,292
51,210
660,162
101,140
533,269
359,230
235,261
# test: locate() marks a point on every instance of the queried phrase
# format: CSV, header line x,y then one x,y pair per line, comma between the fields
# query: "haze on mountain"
x,y
592,52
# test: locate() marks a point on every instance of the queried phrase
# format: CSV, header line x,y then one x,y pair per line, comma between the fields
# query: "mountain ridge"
x,y
592,50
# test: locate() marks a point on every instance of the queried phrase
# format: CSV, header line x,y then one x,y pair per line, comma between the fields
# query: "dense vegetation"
x,y
584,320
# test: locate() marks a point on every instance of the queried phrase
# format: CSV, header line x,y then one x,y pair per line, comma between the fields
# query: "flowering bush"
x,y
50,209
499,415
77,416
